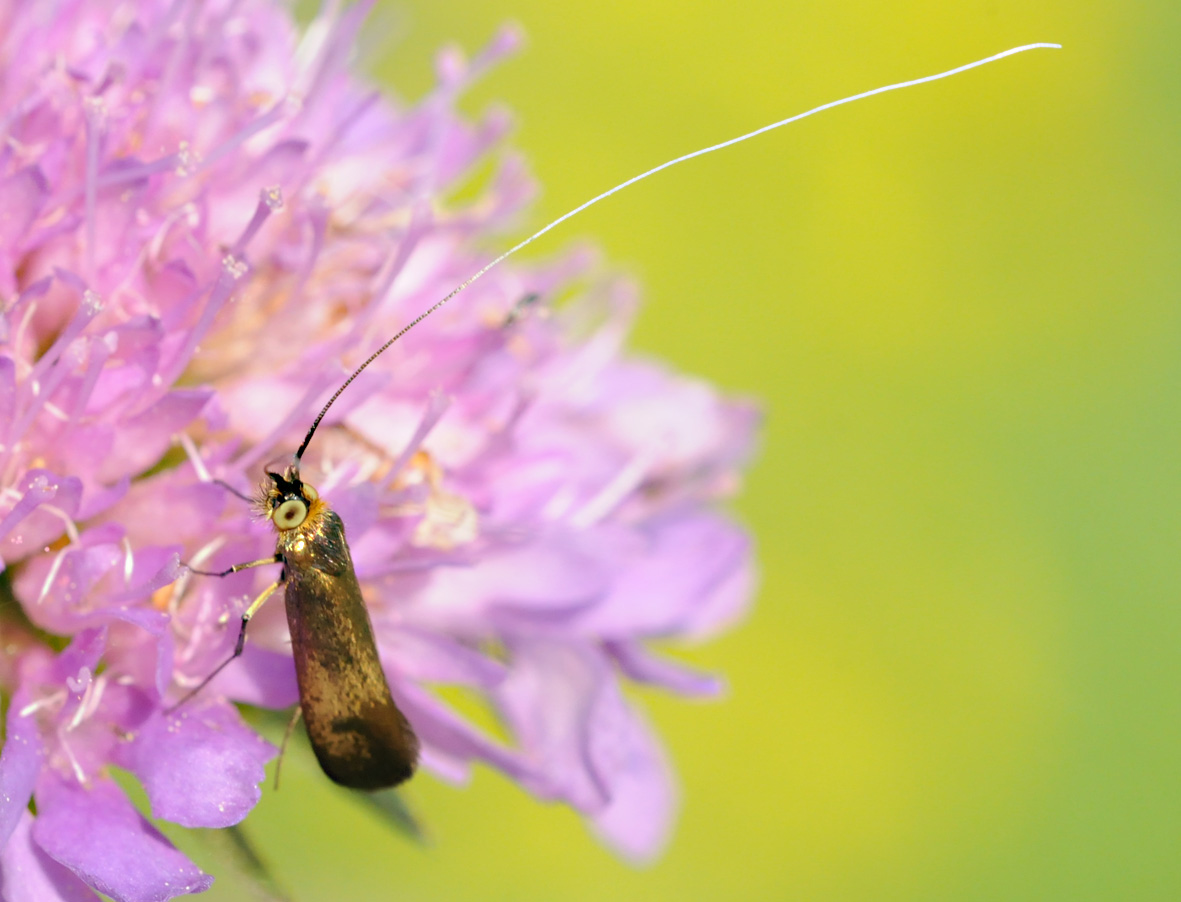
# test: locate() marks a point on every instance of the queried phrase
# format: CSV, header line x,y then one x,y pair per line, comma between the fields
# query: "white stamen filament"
x,y
608,497
181,585
51,699
91,696
128,561
206,551
70,525
194,457
55,411
51,576
74,765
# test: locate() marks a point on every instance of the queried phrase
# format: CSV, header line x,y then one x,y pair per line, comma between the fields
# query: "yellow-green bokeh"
x,y
959,305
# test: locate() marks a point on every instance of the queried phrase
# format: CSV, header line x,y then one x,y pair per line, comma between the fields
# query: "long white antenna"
x,y
638,178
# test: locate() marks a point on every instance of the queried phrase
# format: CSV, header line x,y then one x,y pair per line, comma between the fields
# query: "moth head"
x,y
288,500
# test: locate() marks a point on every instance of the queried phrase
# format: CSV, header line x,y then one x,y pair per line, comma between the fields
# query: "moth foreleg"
x,y
247,615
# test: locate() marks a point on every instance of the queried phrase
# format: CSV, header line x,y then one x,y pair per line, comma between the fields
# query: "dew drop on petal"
x,y
92,302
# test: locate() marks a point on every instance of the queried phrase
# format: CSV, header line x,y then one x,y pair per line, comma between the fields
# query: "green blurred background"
x,y
959,306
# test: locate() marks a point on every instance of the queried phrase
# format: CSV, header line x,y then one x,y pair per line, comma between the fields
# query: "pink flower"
x,y
203,227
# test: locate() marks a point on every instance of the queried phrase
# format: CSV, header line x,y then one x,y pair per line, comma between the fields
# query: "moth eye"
x,y
290,513
310,493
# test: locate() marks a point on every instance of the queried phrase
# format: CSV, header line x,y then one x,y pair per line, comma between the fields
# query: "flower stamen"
x,y
270,200
128,562
616,490
75,765
47,701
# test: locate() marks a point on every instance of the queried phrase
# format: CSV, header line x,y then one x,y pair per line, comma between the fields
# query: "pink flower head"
x,y
205,223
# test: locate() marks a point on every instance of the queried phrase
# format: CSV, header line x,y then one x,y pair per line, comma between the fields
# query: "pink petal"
x,y
143,439
20,763
693,579
548,699
452,739
201,766
27,874
639,664
638,819
588,746
434,658
96,833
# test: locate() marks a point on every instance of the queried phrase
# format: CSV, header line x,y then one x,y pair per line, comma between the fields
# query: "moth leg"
x,y
287,738
247,615
262,561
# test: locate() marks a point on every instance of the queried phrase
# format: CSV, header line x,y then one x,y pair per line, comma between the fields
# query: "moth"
x,y
360,737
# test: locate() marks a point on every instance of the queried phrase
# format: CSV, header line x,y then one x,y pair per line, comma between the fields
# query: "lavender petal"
x,y
201,766
27,874
96,833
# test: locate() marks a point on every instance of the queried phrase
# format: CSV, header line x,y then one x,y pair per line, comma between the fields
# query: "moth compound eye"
x,y
310,493
290,513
